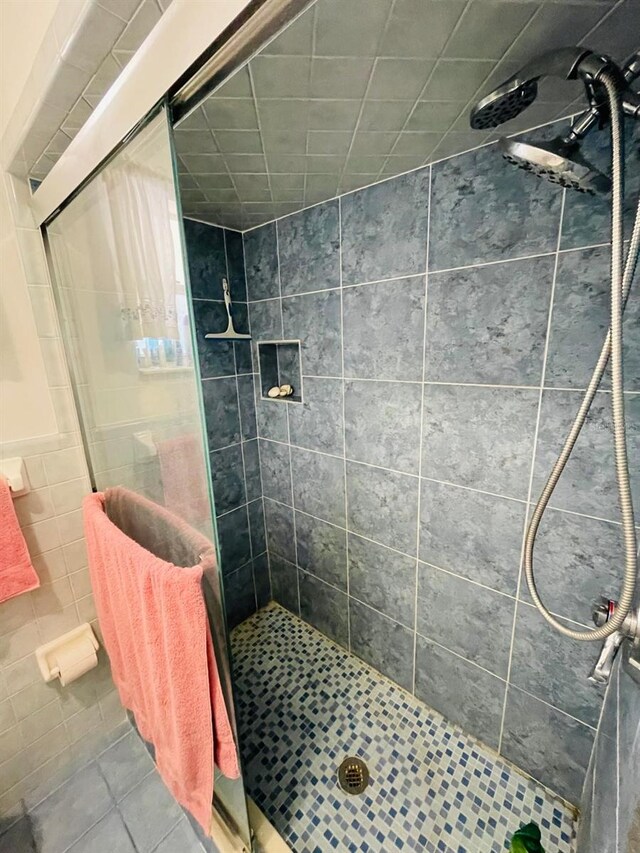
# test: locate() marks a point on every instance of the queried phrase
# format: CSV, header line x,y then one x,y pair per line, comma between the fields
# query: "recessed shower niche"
x,y
280,369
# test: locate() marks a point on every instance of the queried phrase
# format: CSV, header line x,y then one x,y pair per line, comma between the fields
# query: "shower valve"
x,y
604,609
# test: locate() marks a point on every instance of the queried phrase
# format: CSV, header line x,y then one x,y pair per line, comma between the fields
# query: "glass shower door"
x,y
123,299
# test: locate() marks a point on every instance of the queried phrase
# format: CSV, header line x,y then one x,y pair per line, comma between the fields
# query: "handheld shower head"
x,y
557,161
520,90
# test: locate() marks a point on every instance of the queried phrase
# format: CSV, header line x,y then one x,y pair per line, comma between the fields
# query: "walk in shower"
x,y
319,316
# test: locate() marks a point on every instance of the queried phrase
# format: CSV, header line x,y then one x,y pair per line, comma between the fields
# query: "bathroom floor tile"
x,y
81,816
125,764
150,813
432,788
69,812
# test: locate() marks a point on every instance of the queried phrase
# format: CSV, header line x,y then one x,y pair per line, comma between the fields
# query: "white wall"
x,y
26,408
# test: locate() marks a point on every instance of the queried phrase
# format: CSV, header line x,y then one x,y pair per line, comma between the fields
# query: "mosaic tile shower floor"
x,y
305,704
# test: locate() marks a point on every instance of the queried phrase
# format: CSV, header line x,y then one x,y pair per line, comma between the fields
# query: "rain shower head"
x,y
557,161
519,91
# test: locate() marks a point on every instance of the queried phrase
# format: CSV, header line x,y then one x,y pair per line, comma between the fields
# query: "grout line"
x,y
363,100
533,459
423,477
287,410
420,438
242,442
344,424
447,571
256,381
430,640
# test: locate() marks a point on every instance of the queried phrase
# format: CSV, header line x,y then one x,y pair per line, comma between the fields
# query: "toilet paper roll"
x,y
74,659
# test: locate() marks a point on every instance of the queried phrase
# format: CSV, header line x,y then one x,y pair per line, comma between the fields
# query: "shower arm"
x,y
620,287
596,115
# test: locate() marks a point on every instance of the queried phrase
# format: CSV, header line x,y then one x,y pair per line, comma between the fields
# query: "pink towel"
x,y
17,575
155,630
184,477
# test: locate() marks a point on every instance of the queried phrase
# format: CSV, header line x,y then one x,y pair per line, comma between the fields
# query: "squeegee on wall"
x,y
230,331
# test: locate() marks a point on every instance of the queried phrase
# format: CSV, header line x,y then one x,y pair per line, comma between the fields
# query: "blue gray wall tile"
x,y
586,487
584,548
276,471
324,607
271,416
314,319
322,549
229,406
235,265
554,668
234,538
384,229
247,406
472,534
205,258
257,527
383,579
482,209
266,320
221,412
586,218
487,616
239,595
281,538
384,330
318,485
459,690
317,423
216,357
309,246
253,479
383,505
553,747
261,579
580,319
284,582
479,437
383,643
227,475
382,422
261,263
499,337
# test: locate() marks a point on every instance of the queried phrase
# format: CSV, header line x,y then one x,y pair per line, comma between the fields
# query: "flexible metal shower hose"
x,y
620,287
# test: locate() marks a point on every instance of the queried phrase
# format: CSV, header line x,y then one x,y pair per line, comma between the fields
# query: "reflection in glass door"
x,y
122,292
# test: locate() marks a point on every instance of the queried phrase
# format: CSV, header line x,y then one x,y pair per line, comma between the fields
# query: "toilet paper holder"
x,y
69,656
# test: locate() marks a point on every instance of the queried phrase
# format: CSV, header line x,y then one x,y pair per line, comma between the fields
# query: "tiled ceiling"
x,y
352,92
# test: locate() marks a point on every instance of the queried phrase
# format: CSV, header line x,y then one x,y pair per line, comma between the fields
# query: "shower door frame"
x,y
221,814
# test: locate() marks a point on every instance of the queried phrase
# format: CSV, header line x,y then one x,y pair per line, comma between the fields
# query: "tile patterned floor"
x,y
305,704
115,804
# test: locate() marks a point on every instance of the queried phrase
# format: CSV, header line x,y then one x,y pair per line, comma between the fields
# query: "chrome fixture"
x,y
602,612
609,96
560,160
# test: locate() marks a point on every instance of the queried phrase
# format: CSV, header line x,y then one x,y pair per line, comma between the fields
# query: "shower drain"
x,y
353,775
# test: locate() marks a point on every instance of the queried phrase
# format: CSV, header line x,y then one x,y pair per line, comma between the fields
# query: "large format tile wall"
x,y
610,821
449,320
226,369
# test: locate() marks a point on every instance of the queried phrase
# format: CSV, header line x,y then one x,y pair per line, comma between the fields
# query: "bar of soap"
x,y
286,390
273,392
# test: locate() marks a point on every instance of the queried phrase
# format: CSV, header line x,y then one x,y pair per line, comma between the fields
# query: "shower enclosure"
x,y
415,324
